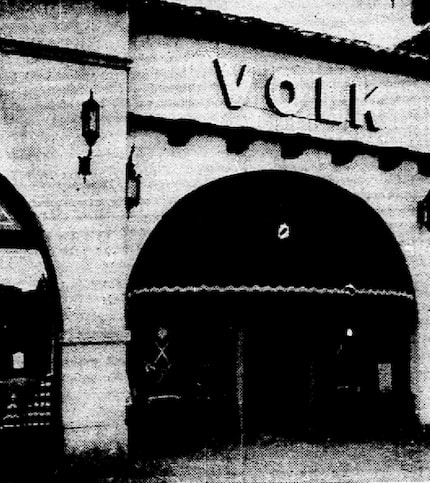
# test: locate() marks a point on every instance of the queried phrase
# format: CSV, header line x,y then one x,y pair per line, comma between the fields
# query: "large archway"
x,y
30,327
269,303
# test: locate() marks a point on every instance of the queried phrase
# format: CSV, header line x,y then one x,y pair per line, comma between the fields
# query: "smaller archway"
x,y
270,303
30,327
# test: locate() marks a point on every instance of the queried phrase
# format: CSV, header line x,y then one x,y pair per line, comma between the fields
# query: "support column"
x,y
94,377
95,391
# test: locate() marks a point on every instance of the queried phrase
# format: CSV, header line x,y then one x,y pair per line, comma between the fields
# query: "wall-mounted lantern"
x,y
90,117
423,212
132,184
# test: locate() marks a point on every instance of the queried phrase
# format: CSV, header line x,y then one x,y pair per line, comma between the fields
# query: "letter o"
x,y
282,95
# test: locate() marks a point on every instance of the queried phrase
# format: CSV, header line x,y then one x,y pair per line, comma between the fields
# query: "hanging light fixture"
x,y
90,117
423,212
132,184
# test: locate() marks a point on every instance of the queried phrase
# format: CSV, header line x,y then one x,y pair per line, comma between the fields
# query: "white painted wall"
x,y
40,133
176,79
40,130
69,23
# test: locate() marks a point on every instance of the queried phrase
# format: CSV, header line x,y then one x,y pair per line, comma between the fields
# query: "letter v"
x,y
234,89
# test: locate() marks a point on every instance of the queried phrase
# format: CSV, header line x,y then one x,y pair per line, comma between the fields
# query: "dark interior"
x,y
218,365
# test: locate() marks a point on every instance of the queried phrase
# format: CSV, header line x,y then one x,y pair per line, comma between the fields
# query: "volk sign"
x,y
237,87
286,96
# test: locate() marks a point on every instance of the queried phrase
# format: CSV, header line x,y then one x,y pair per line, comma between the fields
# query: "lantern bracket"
x,y
85,165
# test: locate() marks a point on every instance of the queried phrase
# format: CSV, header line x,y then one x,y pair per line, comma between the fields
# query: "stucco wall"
x,y
40,129
94,25
168,173
176,78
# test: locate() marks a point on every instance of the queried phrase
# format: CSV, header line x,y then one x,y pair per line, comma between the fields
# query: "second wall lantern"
x,y
423,212
132,184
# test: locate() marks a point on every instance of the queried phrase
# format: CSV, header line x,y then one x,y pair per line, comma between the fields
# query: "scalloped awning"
x,y
275,231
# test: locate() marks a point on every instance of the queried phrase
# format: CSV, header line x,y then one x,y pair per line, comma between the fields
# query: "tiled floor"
x,y
282,462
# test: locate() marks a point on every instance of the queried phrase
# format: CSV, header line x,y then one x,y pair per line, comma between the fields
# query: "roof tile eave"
x,y
418,44
164,17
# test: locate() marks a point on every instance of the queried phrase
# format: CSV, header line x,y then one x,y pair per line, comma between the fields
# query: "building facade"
x,y
226,207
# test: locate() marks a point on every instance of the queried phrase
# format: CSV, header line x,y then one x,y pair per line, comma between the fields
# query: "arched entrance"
x,y
30,324
269,304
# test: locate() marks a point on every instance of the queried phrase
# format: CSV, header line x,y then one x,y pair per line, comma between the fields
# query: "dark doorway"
x,y
30,324
269,304
335,367
184,394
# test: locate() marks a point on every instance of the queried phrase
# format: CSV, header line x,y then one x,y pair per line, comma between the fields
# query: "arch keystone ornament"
x,y
284,231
